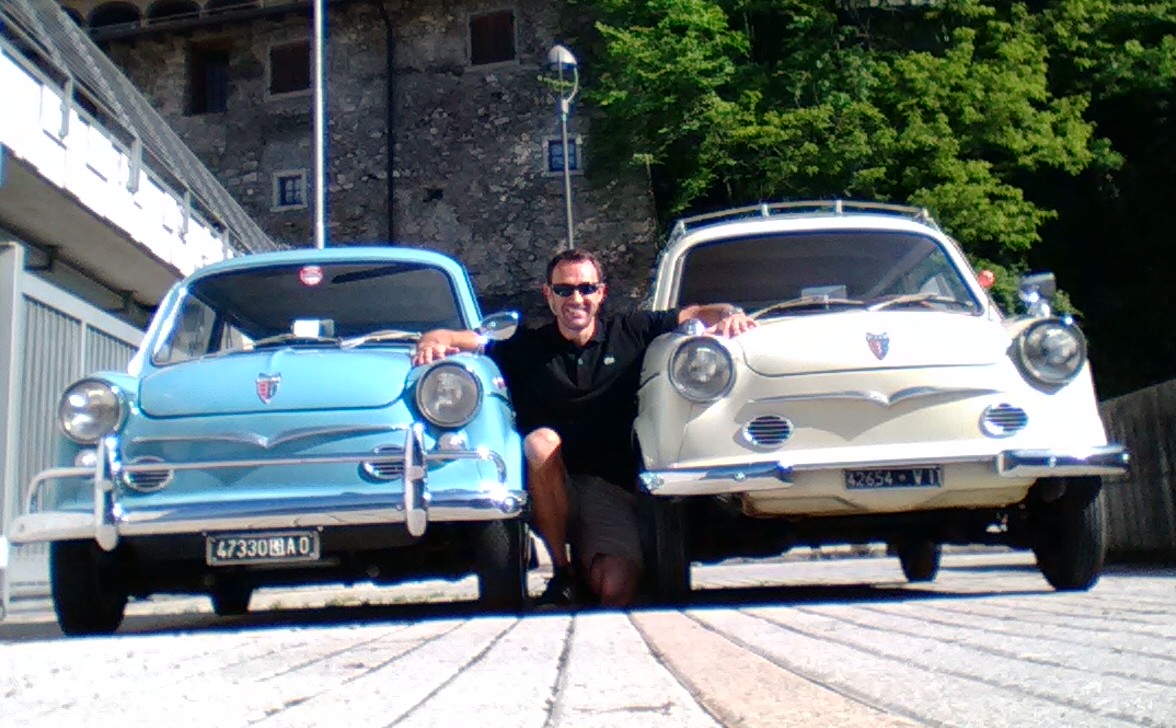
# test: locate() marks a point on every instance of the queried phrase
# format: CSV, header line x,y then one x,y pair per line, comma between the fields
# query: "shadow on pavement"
x,y
45,629
786,596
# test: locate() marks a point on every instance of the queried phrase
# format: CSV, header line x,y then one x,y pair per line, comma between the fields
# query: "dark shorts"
x,y
603,521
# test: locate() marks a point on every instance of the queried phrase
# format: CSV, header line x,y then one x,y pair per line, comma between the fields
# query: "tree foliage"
x,y
743,100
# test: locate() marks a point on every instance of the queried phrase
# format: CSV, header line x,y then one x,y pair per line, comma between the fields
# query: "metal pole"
x,y
567,174
320,184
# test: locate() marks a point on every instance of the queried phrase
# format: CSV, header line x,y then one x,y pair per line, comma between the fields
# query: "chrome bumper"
x,y
414,506
1103,460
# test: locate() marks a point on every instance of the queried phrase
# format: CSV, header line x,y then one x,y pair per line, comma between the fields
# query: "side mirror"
x,y
1037,291
499,326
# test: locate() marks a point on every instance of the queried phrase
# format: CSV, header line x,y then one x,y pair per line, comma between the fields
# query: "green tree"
x,y
736,101
1111,243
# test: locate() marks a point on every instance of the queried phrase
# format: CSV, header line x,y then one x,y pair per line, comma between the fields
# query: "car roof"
x,y
825,211
346,253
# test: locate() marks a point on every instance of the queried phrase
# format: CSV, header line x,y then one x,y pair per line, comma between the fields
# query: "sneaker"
x,y
561,590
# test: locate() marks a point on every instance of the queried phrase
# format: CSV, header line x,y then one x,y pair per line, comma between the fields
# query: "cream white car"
x,y
883,397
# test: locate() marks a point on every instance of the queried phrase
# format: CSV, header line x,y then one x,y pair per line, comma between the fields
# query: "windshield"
x,y
870,268
306,305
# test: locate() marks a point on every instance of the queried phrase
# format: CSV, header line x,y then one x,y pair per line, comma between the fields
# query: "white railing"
x,y
41,125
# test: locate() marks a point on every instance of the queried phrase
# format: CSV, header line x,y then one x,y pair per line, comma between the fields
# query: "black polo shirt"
x,y
586,394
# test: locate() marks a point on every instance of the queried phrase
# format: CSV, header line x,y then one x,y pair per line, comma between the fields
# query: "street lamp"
x,y
561,61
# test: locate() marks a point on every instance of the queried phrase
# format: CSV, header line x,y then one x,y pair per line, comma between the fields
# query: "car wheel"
x,y
919,560
1069,535
231,600
88,596
670,570
503,555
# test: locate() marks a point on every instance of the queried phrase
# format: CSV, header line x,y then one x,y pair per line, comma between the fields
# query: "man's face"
x,y
575,312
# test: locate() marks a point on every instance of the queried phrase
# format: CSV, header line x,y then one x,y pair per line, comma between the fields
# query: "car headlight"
x,y
1051,351
448,395
90,410
702,369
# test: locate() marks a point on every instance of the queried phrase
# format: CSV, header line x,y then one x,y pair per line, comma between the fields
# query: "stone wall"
x,y
468,174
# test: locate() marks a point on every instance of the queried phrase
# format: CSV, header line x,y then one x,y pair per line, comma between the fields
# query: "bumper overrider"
x,y
414,506
1110,459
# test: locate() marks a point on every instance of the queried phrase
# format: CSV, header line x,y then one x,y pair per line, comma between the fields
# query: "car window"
x,y
867,266
320,303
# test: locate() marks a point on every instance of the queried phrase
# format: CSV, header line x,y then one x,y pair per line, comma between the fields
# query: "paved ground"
x,y
840,643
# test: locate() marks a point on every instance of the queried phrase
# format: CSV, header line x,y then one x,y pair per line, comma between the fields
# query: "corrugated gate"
x,y
48,339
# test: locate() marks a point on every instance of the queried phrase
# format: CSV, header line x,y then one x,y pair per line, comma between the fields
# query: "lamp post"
x,y
561,61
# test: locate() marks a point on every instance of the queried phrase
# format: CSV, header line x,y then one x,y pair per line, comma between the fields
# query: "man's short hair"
x,y
575,255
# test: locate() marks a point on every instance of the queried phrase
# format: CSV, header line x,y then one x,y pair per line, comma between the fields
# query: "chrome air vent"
x,y
386,470
1003,420
147,481
767,431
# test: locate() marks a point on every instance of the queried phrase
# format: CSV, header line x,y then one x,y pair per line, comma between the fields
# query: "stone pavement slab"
x,y
842,642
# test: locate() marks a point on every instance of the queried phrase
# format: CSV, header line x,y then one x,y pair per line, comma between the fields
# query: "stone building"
x,y
440,132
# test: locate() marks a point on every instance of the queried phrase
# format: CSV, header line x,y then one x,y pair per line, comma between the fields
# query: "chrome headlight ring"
x,y
90,410
1051,351
702,369
448,395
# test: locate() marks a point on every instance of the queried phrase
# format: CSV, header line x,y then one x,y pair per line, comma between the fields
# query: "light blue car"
x,y
272,430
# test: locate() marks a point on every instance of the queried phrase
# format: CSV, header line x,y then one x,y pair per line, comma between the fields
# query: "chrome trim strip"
x,y
416,481
252,438
107,470
879,398
414,501
488,503
695,481
1113,459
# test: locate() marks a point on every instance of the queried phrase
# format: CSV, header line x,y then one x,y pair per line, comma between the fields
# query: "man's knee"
x,y
615,580
541,445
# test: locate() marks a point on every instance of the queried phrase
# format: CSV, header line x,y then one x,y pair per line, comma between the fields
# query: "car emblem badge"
x,y
267,386
879,344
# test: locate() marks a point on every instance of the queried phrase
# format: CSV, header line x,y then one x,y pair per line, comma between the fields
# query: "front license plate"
x,y
270,547
875,478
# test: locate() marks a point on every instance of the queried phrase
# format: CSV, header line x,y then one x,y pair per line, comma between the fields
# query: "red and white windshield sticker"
x,y
311,275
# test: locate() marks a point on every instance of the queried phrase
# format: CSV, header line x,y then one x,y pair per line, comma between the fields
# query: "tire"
x,y
1069,535
231,600
670,570
919,560
88,596
503,554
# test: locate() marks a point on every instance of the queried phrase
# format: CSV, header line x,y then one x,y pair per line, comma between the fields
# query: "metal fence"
x,y
52,338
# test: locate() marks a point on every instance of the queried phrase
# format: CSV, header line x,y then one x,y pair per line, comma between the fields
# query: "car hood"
x,y
277,380
860,340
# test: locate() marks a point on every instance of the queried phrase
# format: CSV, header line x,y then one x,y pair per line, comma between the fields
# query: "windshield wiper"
x,y
909,298
285,338
381,335
806,302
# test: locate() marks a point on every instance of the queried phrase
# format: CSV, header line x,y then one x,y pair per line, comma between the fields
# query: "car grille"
x,y
1003,420
767,431
148,481
385,470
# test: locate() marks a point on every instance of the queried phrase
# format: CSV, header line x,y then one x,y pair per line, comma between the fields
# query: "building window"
x,y
555,155
208,80
290,190
289,68
492,37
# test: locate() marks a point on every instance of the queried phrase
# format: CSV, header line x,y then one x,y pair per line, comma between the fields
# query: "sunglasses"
x,y
563,290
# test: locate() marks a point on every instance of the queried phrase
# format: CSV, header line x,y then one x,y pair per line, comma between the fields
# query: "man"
x,y
574,387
